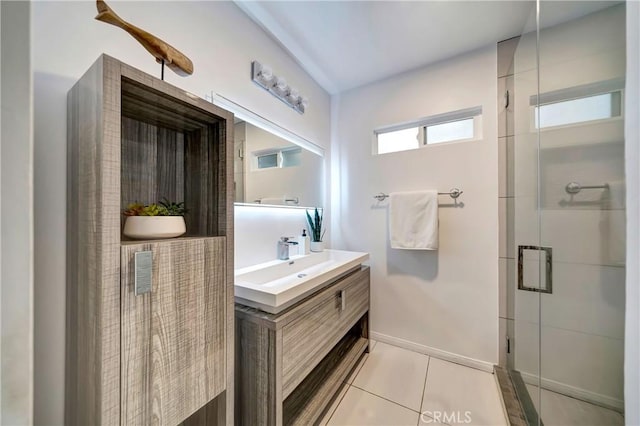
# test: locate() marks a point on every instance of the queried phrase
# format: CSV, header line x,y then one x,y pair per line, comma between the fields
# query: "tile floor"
x,y
393,386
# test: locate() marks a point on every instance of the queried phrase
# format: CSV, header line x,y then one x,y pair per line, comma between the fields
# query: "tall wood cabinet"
x,y
166,356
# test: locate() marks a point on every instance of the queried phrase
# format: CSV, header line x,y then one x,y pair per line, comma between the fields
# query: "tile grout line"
x,y
424,388
386,399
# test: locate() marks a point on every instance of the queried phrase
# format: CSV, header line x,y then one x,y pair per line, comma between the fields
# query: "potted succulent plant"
x,y
315,230
154,221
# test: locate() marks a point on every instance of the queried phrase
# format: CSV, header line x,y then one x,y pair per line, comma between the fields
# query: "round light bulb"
x,y
266,73
282,83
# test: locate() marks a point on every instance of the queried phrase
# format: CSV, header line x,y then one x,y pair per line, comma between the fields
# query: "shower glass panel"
x,y
528,258
568,215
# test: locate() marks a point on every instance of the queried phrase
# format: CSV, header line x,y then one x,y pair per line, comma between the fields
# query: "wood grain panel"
x,y
225,227
93,236
222,178
142,109
145,102
152,163
166,91
170,165
173,339
313,396
309,338
257,390
196,188
205,187
139,152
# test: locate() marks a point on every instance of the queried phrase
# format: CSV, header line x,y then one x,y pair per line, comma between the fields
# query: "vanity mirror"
x,y
273,166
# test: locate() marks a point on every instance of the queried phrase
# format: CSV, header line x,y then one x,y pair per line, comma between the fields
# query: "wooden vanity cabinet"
x,y
164,356
290,365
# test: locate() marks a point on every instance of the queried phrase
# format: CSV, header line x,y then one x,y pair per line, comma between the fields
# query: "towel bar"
x,y
575,187
453,193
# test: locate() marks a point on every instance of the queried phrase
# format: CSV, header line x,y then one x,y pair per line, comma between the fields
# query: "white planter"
x,y
154,227
317,246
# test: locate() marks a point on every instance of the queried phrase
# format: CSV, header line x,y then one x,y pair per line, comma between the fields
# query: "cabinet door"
x,y
307,339
173,337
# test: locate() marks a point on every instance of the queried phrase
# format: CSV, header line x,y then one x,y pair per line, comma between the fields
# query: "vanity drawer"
x,y
308,338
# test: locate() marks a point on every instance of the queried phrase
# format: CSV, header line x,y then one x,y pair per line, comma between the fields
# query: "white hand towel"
x,y
413,220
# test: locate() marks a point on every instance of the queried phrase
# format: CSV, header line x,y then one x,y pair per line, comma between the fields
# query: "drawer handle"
x,y
143,264
343,300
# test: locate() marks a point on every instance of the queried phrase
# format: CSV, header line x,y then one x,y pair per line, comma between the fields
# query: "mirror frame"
x,y
267,125
252,118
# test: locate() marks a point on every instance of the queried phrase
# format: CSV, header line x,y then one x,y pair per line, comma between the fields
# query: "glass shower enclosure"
x,y
565,206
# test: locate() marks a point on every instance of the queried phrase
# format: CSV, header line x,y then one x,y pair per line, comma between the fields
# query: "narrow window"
x,y
277,158
580,110
451,131
398,140
267,161
452,126
291,157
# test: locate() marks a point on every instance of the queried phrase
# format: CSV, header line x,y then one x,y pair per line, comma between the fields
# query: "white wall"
x,y
258,230
632,139
16,225
220,40
446,300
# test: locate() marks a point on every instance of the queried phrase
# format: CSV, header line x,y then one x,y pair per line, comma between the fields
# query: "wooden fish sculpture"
x,y
162,51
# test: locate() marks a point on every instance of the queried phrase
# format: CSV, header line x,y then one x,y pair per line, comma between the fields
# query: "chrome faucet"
x,y
283,247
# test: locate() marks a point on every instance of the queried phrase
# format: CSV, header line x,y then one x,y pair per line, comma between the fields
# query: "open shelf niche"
x,y
175,151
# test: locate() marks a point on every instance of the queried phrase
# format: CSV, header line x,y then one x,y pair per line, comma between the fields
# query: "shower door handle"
x,y
527,281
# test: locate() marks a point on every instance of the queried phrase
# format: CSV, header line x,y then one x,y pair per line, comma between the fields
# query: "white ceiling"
x,y
346,44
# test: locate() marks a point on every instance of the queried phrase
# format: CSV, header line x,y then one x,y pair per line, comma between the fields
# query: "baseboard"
x,y
436,353
575,392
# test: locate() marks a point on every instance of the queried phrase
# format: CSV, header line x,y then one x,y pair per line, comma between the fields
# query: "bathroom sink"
x,y
274,286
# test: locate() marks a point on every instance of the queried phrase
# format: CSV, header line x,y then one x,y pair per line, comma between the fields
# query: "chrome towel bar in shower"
x,y
575,187
453,193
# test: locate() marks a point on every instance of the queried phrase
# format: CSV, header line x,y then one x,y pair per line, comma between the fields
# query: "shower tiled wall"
x,y
506,251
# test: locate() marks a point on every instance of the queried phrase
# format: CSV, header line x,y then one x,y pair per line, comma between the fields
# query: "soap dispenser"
x,y
305,243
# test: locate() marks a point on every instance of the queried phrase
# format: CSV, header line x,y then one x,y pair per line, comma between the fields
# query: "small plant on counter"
x,y
153,221
173,208
315,225
133,209
164,208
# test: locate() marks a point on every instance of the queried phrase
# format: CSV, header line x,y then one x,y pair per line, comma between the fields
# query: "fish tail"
x,y
106,14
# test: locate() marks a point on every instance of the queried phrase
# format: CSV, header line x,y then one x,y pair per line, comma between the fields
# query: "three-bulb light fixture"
x,y
263,76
